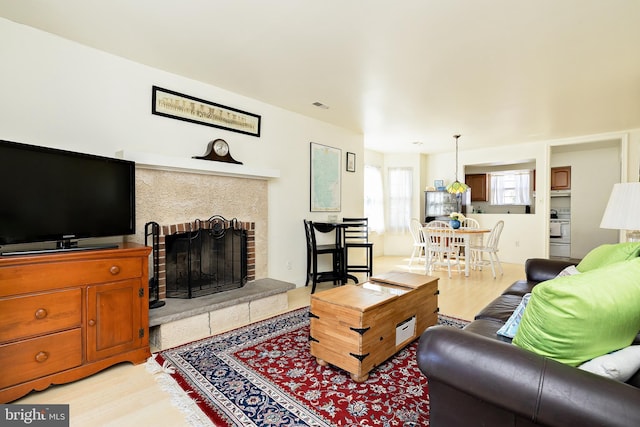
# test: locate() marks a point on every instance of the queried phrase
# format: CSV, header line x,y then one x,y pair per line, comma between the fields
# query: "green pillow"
x,y
573,319
609,254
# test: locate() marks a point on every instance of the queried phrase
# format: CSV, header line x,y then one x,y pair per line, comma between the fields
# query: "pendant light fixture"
x,y
457,187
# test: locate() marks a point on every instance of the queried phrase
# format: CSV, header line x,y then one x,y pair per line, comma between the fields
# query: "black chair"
x,y
357,236
314,276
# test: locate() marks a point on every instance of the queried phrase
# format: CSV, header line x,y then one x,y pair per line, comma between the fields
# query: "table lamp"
x,y
623,210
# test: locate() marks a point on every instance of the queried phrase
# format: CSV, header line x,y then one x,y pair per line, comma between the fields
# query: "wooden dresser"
x,y
65,316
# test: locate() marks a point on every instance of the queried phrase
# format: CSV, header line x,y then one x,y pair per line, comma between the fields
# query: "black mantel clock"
x,y
218,150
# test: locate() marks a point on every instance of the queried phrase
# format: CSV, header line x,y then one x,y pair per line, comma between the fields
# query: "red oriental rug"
x,y
264,375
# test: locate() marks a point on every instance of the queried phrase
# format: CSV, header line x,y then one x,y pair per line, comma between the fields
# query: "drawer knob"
x,y
92,322
41,313
41,357
114,270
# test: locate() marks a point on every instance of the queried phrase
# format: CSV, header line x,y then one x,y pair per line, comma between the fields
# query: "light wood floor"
x,y
127,395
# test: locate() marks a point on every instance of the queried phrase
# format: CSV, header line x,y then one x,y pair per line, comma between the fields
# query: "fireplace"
x,y
200,258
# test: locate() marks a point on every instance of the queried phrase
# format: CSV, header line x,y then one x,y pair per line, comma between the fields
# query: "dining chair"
x,y
314,250
356,236
469,223
491,249
441,247
476,239
419,245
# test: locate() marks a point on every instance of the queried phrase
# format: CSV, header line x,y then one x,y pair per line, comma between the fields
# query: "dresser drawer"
x,y
39,314
27,278
37,357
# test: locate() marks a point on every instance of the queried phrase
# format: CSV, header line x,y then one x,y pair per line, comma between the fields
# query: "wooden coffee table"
x,y
357,327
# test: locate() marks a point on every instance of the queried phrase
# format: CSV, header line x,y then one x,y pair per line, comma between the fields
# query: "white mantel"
x,y
184,164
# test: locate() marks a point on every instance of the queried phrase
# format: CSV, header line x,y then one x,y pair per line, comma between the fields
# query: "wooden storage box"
x,y
354,327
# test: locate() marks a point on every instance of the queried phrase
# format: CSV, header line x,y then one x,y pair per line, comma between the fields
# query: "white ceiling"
x,y
496,71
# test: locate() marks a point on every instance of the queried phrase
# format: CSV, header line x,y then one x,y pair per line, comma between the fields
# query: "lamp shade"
x,y
623,209
457,187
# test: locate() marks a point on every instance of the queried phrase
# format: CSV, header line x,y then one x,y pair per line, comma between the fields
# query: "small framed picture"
x,y
351,162
438,183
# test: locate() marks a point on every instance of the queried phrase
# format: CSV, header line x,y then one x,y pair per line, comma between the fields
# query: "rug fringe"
x,y
179,398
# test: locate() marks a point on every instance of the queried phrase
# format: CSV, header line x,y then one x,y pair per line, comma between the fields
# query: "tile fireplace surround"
x,y
170,197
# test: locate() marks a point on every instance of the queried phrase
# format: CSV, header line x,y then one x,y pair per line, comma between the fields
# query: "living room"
x,y
64,94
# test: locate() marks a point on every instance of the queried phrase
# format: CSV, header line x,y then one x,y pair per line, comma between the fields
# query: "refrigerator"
x,y
439,204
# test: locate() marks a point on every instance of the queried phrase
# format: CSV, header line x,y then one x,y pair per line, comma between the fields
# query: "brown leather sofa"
x,y
478,378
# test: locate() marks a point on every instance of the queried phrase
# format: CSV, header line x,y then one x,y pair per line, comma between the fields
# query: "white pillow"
x,y
510,327
618,365
568,271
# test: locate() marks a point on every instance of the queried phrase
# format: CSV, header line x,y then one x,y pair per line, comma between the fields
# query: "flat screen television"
x,y
48,194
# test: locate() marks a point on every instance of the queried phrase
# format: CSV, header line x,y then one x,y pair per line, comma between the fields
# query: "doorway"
x,y
595,167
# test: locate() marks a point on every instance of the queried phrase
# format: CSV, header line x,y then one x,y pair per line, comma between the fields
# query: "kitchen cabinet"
x,y
479,188
66,316
561,178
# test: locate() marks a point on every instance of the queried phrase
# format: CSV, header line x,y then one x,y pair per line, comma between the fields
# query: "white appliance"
x,y
560,234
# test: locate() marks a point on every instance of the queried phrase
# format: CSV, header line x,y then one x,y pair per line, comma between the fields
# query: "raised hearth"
x,y
184,320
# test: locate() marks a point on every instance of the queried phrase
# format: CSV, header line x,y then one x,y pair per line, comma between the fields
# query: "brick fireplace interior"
x,y
185,227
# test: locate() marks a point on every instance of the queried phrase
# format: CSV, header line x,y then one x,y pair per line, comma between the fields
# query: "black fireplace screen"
x,y
210,258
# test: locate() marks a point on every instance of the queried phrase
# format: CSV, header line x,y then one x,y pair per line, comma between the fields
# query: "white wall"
x,y
61,94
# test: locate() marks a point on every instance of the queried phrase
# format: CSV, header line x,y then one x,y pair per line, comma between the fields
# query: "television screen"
x,y
56,195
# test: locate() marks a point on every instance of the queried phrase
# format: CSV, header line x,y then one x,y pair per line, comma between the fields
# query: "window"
x,y
511,187
373,198
400,191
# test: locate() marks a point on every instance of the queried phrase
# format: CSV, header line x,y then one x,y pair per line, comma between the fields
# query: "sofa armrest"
x,y
541,269
516,381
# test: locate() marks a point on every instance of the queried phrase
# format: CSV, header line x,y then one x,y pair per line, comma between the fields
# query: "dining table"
x,y
467,234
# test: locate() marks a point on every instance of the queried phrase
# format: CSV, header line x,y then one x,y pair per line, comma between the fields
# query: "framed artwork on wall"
x,y
168,103
351,162
325,184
